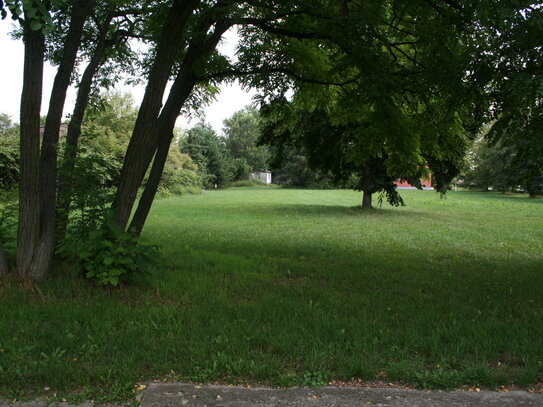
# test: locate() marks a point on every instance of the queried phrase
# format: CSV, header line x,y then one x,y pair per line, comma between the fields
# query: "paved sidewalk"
x,y
189,395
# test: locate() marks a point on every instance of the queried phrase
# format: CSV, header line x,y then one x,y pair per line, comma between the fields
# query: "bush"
x,y
9,166
110,256
175,179
182,190
247,183
8,225
90,186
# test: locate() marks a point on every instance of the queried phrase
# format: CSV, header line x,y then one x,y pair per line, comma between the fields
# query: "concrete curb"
x,y
190,395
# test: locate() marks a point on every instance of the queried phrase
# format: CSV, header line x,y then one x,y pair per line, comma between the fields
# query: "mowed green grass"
x,y
296,287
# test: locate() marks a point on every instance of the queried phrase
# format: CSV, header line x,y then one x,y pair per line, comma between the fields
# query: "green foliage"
x,y
107,128
314,379
180,174
247,183
35,12
109,256
241,139
9,153
208,152
508,70
8,224
289,167
337,153
505,164
91,187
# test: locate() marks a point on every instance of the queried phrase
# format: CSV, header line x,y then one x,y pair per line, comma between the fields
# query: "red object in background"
x,y
426,184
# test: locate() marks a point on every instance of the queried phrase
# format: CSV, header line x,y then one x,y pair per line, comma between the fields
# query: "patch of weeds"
x,y
198,374
437,379
288,379
314,379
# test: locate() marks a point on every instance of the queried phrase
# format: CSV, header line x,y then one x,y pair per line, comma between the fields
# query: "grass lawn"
x,y
293,287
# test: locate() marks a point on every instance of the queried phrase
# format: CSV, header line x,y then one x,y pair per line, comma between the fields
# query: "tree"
x,y
385,83
338,150
108,50
241,137
9,152
206,150
507,67
488,167
504,165
38,167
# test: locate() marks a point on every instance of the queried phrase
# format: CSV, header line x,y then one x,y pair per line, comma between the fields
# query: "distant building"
x,y
264,176
426,184
62,131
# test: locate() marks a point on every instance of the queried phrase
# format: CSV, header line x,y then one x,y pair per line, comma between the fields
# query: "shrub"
x,y
184,190
179,176
90,186
8,224
174,179
247,183
111,256
9,166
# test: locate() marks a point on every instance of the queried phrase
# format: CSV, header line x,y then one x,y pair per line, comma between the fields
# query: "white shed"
x,y
264,176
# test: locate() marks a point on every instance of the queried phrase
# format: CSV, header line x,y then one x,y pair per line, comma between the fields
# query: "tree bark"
x,y
48,165
4,265
28,230
366,199
142,147
181,89
74,132
165,127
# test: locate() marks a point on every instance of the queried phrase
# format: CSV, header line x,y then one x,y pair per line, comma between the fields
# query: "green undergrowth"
x,y
295,287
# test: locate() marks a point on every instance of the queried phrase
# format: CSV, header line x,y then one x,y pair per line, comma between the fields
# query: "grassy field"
x,y
296,287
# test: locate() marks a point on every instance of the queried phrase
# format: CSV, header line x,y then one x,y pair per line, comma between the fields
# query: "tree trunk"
x,y
74,131
142,147
48,167
148,196
165,127
4,265
28,231
366,199
181,89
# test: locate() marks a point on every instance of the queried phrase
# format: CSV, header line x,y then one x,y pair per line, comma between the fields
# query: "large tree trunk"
x,y
48,169
181,89
4,265
151,187
366,199
28,231
165,127
74,132
142,147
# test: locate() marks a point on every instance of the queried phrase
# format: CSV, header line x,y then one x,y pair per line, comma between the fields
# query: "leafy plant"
x,y
111,256
8,224
314,379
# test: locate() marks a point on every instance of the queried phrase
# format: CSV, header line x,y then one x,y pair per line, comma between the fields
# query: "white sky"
x,y
231,98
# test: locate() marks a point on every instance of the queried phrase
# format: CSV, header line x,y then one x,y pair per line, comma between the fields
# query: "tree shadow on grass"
x,y
334,211
513,198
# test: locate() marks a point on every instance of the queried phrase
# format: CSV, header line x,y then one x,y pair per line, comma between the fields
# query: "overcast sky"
x,y
230,99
